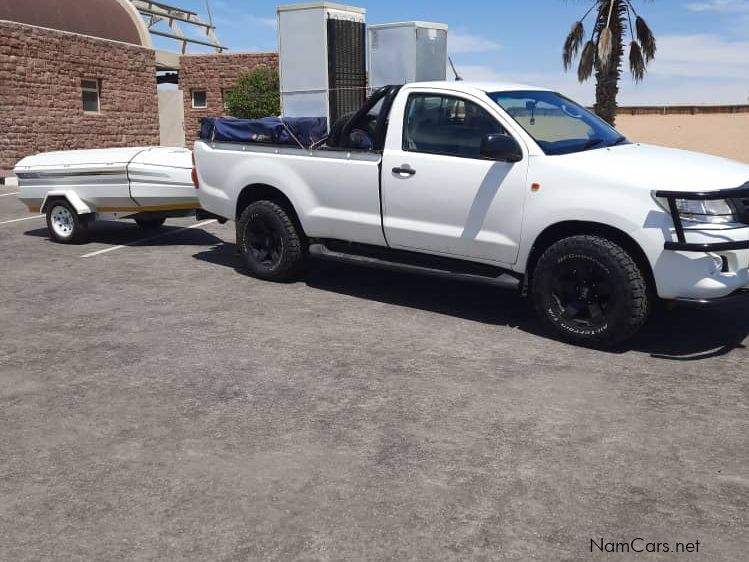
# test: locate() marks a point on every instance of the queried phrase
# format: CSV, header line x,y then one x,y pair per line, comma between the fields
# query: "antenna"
x,y
458,78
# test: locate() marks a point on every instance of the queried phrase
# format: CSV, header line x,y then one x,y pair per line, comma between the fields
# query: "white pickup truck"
x,y
75,187
511,183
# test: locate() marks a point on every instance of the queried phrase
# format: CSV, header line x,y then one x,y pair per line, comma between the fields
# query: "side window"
x,y
447,125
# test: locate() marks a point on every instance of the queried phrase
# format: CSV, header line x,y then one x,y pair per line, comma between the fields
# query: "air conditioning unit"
x,y
322,59
413,51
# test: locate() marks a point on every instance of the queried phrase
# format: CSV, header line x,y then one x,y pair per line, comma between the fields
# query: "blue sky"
x,y
703,45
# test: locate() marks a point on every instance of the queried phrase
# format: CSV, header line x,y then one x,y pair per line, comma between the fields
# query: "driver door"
x,y
439,195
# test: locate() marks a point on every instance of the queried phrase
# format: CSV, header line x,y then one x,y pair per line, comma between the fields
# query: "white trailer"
x,y
75,187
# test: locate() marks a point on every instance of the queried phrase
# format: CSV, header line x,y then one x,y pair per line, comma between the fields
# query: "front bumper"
x,y
737,297
713,265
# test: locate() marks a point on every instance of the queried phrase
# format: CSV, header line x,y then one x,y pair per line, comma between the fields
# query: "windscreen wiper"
x,y
591,143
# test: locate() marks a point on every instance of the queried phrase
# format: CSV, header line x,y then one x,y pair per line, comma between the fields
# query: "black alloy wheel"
x,y
264,242
582,292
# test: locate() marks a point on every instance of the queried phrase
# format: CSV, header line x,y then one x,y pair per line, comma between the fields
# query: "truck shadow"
x,y
680,335
125,233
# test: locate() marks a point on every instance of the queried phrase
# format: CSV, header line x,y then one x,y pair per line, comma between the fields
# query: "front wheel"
x,y
65,225
270,243
588,290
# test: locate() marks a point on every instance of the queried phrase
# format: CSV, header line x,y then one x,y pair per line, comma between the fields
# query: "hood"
x,y
656,167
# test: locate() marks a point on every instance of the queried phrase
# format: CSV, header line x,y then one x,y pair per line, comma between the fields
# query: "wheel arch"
x,y
560,230
70,196
264,192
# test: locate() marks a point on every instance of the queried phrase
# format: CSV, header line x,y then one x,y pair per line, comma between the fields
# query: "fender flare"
x,y
71,196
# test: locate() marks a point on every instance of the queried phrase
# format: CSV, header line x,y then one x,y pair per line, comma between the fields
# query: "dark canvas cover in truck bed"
x,y
293,131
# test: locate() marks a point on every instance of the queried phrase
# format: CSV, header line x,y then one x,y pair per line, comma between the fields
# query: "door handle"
x,y
400,171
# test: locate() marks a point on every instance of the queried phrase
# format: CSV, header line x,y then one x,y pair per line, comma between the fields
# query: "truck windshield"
x,y
556,123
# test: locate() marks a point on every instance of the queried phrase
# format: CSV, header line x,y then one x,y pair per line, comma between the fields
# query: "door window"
x,y
447,125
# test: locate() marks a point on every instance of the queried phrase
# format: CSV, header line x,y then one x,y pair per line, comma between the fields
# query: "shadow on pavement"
x,y
683,334
125,233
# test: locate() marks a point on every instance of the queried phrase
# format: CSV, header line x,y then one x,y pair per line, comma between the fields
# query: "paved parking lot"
x,y
158,405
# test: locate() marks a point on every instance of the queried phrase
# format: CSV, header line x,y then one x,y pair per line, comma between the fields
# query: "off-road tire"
x,y
77,224
289,243
150,223
621,308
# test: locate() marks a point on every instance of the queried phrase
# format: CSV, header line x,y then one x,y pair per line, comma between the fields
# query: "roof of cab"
x,y
469,86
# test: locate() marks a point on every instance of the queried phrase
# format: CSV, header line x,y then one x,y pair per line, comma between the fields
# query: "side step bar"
x,y
396,260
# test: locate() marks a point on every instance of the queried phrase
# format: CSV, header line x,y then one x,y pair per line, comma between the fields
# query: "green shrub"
x,y
256,94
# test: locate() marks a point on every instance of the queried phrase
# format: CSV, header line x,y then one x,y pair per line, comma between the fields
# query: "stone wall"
x,y
40,93
215,74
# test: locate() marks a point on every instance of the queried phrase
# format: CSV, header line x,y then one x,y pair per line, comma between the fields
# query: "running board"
x,y
397,260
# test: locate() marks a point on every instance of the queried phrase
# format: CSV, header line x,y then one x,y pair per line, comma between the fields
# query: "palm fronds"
x,y
605,47
572,44
587,61
636,61
646,38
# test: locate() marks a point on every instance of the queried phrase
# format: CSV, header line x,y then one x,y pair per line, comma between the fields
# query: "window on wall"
x,y
90,94
224,94
199,99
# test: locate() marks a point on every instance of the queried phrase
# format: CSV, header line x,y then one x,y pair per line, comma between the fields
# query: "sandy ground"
x,y
720,134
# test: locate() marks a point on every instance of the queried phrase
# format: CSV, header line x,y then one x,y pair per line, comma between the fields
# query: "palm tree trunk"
x,y
607,77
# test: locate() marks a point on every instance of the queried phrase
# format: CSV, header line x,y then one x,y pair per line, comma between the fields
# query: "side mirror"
x,y
501,147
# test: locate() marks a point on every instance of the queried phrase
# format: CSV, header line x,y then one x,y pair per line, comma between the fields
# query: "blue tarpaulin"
x,y
271,130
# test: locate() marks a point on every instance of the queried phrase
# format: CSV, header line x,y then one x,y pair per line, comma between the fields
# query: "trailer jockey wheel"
x,y
65,225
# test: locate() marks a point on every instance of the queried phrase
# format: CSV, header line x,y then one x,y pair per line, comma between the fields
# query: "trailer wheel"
x,y
65,225
588,290
269,242
150,223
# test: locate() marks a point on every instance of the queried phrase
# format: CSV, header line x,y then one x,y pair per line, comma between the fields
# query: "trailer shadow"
x,y
123,233
679,335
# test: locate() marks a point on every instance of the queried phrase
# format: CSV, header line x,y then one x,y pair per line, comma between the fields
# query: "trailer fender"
x,y
71,196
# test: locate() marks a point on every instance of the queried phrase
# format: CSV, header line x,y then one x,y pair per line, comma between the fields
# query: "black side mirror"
x,y
503,148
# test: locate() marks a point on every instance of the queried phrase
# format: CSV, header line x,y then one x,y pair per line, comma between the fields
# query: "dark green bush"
x,y
256,94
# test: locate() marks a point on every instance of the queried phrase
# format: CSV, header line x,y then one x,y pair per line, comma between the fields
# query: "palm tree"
x,y
604,50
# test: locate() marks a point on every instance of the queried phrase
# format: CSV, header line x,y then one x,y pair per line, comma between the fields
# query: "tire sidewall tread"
x,y
631,308
292,259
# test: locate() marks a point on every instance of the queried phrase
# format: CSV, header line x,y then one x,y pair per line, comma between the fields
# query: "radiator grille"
x,y
347,73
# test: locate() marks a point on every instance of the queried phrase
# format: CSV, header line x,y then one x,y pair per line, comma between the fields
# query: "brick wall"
x,y
40,93
215,74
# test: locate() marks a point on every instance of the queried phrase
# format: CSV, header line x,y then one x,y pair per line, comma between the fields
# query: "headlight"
x,y
717,211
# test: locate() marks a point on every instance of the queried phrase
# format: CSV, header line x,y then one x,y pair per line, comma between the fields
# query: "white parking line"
x,y
113,248
6,194
23,219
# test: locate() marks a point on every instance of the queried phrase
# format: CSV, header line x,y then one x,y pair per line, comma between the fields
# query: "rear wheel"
x,y
588,290
150,223
269,242
65,225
